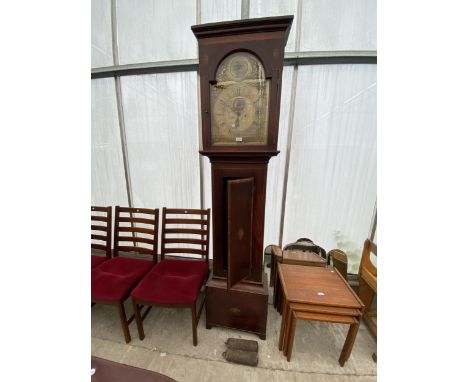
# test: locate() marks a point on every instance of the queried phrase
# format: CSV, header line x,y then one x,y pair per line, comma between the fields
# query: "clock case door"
x,y
240,194
265,39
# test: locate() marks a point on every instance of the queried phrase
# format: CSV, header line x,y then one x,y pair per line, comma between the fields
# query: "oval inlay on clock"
x,y
240,234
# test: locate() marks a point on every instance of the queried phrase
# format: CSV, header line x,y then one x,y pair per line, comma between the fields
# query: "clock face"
x,y
240,102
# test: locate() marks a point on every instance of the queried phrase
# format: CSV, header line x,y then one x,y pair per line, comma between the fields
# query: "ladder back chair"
x,y
301,244
101,235
136,234
306,245
177,280
368,284
340,261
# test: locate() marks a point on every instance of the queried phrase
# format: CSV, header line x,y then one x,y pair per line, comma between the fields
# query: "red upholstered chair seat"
x,y
172,282
113,279
96,260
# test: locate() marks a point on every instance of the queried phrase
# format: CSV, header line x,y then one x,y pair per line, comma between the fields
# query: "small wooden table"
x,y
109,371
320,294
310,259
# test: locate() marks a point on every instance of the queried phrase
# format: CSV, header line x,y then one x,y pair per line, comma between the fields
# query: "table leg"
x,y
283,325
280,298
291,334
349,342
275,293
272,270
287,329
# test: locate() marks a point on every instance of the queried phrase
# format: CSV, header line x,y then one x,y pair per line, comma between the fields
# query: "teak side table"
x,y
320,294
310,259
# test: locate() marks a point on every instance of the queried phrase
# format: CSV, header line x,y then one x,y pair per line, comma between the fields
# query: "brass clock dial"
x,y
240,101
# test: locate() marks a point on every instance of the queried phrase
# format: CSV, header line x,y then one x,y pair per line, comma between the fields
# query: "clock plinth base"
x,y
243,307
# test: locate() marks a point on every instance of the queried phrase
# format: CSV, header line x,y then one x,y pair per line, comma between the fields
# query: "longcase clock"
x,y
241,65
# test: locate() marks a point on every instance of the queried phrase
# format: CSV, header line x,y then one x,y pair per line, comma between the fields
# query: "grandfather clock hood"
x,y
241,67
261,40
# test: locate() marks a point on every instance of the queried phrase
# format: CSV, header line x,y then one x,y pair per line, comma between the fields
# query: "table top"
x,y
297,257
109,371
317,285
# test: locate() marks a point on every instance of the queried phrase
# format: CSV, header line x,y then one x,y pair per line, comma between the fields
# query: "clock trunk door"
x,y
240,194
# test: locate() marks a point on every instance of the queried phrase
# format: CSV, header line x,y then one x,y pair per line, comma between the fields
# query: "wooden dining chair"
x,y
273,260
101,235
340,261
135,253
367,277
276,258
176,282
306,245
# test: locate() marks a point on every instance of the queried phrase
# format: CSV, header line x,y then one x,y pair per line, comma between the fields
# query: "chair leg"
x,y
194,324
123,321
138,320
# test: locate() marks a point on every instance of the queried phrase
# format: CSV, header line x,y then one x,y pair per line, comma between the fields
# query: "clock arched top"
x,y
240,66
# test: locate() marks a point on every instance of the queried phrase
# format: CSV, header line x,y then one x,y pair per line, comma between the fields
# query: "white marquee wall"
x,y
330,191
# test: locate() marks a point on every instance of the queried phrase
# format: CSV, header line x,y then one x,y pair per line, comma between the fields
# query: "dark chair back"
x,y
185,231
306,245
136,230
101,229
340,261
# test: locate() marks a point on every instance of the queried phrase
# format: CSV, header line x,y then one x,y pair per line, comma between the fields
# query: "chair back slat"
x,y
186,221
101,247
187,211
138,229
132,248
99,218
185,232
137,239
99,237
128,230
187,241
137,220
101,234
186,250
98,227
147,211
